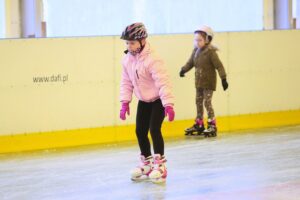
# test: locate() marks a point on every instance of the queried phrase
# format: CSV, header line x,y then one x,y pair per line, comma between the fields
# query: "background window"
x,y
102,17
2,19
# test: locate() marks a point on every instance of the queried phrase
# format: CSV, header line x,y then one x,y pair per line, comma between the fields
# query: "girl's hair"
x,y
205,36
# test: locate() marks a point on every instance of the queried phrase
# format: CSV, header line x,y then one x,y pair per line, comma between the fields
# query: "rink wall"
x,y
59,92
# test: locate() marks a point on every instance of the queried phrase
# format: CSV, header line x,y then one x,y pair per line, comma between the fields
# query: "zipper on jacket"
x,y
137,75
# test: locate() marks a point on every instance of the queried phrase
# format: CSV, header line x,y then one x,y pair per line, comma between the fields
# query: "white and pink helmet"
x,y
135,31
207,30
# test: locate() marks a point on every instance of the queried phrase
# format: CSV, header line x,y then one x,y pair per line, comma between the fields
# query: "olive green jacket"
x,y
206,61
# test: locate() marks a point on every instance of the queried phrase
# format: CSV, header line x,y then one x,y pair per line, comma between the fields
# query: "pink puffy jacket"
x,y
146,76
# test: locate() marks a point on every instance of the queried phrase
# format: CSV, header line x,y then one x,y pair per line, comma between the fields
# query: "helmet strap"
x,y
142,46
140,49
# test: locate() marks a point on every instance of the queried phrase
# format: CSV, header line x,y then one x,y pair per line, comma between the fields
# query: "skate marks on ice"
x,y
71,175
259,165
288,191
246,165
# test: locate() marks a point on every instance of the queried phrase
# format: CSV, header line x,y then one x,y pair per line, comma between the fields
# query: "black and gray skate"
x,y
196,129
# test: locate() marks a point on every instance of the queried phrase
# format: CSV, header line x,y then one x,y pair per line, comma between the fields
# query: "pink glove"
x,y
169,111
124,109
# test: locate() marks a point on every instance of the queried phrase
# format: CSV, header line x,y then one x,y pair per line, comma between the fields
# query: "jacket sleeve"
x,y
162,81
126,87
218,64
190,63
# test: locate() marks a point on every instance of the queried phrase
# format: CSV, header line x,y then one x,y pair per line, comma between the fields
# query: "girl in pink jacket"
x,y
144,75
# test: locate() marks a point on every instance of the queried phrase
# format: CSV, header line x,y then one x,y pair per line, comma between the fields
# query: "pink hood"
x,y
146,76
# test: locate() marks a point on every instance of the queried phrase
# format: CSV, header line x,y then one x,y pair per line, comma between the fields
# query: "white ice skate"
x,y
159,173
142,172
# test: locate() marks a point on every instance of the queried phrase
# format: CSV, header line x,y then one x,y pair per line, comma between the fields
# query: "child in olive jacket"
x,y
206,62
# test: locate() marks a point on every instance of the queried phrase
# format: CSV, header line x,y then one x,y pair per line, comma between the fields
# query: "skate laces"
x,y
212,122
199,122
211,125
145,161
159,161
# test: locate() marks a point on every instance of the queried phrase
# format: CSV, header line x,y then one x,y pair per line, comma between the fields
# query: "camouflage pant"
x,y
204,96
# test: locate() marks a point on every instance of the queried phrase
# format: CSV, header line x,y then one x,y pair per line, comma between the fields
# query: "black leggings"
x,y
150,116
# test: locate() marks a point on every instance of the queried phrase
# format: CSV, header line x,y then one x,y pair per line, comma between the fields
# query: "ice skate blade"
x,y
140,179
158,180
210,134
188,134
193,134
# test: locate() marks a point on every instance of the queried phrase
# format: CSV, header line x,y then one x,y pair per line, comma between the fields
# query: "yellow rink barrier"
x,y
116,134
